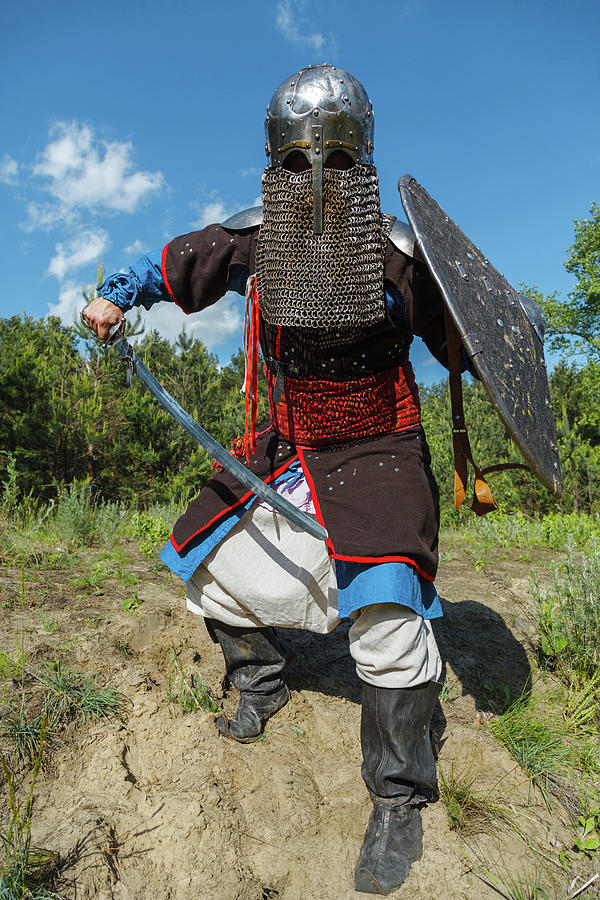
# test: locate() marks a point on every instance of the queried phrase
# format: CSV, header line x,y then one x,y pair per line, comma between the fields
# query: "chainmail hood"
x,y
321,280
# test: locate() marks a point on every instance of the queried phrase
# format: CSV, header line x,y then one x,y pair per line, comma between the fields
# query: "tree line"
x,y
66,413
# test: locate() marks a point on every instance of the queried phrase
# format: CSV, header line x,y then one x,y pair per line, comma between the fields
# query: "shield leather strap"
x,y
483,502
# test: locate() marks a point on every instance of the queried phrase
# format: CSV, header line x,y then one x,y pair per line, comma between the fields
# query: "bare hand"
x,y
100,314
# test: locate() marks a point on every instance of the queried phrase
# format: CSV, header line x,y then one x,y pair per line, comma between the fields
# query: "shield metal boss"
x,y
495,331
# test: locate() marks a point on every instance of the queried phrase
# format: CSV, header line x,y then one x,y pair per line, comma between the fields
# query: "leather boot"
x,y
254,661
399,771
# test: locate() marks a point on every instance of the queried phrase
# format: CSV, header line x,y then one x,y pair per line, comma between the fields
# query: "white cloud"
x,y
84,248
136,248
215,326
82,172
9,169
289,26
215,210
70,302
218,210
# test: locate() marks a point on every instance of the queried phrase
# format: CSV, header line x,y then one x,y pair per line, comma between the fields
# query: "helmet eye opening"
x,y
296,162
339,159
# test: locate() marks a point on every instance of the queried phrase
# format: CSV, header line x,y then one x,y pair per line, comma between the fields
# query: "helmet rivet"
x,y
346,99
288,101
315,112
317,150
292,83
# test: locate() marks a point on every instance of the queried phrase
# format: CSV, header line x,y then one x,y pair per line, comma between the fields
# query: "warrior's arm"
x,y
194,271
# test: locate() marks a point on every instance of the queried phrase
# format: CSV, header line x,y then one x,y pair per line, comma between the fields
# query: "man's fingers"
x,y
101,315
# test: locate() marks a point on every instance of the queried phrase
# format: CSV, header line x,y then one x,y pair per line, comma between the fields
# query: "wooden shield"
x,y
496,332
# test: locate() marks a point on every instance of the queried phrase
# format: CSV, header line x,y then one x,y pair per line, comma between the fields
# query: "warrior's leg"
x,y
398,661
254,661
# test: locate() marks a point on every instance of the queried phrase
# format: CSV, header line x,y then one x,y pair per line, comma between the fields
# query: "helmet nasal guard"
x,y
317,111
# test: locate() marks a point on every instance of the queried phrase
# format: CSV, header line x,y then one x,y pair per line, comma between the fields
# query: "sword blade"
x,y
212,446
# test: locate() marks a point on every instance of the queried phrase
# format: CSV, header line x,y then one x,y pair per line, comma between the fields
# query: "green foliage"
x,y
22,730
552,750
52,698
469,811
187,690
519,887
574,324
25,871
153,527
555,530
588,840
132,604
569,616
71,696
66,416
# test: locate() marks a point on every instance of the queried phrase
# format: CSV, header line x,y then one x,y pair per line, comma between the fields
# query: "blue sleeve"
x,y
142,285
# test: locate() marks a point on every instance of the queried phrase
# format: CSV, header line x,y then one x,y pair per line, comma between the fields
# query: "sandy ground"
x,y
158,805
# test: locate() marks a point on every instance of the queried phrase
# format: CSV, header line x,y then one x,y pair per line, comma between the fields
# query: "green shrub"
x,y
569,615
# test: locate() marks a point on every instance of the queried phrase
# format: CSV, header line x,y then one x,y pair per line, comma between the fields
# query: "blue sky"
x,y
125,124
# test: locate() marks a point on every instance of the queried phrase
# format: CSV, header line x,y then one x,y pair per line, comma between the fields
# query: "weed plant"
x,y
187,689
569,617
71,696
556,530
25,871
468,811
515,887
48,533
55,696
556,754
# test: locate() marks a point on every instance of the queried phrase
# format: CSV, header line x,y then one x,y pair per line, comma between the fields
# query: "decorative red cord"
x,y
251,373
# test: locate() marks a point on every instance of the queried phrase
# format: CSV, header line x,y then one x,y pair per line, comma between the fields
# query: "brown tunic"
x,y
377,497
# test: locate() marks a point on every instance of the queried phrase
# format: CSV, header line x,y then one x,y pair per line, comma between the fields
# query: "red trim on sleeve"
x,y
239,502
163,269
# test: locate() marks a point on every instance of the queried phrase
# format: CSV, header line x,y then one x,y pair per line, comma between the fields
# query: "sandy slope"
x,y
157,805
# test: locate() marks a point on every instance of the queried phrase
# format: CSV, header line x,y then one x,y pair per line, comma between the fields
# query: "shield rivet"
x,y
500,323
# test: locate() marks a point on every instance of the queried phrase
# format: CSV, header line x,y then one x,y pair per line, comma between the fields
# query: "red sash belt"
x,y
321,413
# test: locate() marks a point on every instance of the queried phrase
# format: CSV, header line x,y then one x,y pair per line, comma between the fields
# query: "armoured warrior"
x,y
337,298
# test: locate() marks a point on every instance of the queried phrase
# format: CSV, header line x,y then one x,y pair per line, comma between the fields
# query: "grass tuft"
x,y
468,811
519,887
555,754
71,695
25,871
188,691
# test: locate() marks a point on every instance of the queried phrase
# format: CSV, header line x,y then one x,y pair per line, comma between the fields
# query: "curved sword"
x,y
116,340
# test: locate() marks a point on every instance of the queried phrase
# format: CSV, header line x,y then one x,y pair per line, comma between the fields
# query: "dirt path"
x,y
157,805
